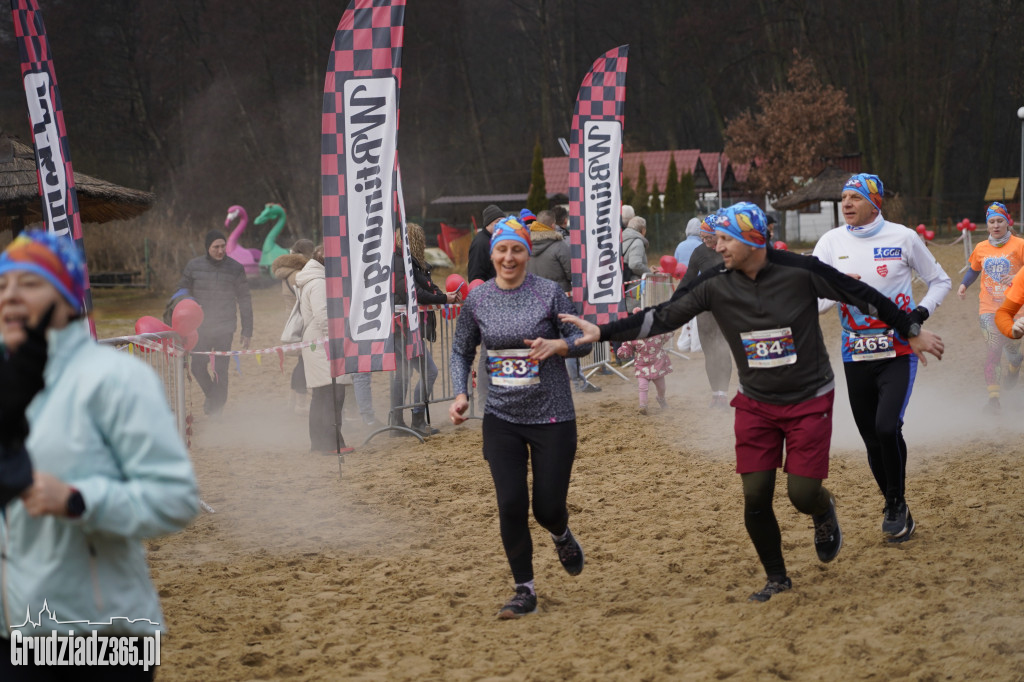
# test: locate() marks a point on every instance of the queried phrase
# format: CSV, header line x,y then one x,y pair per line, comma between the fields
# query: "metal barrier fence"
x,y
163,352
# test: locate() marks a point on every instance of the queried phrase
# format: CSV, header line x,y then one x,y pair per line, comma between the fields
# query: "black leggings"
x,y
808,495
508,449
717,356
879,391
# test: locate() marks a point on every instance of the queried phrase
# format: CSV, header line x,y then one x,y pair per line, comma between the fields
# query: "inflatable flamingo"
x,y
270,248
249,258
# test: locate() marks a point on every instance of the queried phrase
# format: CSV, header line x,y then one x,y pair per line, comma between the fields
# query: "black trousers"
x,y
509,449
215,386
879,392
324,413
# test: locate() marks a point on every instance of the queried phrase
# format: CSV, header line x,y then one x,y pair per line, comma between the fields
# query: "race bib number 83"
x,y
769,348
512,367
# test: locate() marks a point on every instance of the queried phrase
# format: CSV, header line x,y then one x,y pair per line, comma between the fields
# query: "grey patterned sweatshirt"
x,y
519,393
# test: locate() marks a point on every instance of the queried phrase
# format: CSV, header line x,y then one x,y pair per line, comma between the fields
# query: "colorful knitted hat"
x,y
56,259
746,222
868,186
510,228
708,225
998,209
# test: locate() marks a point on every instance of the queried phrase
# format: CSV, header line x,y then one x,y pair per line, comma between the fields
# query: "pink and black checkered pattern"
x,y
602,97
367,44
34,49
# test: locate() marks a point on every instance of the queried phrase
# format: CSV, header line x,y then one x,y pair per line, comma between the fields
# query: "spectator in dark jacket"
x,y
427,293
219,285
480,266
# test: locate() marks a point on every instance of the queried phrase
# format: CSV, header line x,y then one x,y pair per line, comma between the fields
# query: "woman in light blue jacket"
x,y
109,468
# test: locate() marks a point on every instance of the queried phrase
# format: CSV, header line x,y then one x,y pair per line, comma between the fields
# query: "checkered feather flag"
x,y
359,177
595,199
49,135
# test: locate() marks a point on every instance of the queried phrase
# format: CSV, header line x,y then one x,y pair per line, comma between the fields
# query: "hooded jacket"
x,y
285,268
222,289
634,254
551,258
103,426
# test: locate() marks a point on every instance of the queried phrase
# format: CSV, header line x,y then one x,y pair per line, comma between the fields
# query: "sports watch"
x,y
76,504
914,330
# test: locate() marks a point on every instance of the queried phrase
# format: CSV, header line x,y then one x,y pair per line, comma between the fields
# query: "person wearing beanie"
x,y
692,240
996,261
717,358
219,285
878,361
106,468
480,267
766,303
529,421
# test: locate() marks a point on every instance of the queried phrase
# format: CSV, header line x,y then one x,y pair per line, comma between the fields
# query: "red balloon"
x,y
780,246
929,234
187,317
668,264
189,341
972,227
150,325
456,282
961,227
921,228
680,271
475,283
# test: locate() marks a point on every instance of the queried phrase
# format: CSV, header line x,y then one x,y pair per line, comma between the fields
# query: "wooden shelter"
x,y
825,186
20,204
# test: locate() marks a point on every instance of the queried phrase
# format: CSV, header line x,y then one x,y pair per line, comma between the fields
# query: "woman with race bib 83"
x,y
529,419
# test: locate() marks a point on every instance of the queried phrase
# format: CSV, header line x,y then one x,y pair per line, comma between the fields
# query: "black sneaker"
x,y
895,522
524,603
828,538
570,554
770,589
911,527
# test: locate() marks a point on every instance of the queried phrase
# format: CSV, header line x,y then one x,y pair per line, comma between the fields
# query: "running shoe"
x,y
993,406
895,524
522,604
910,531
770,589
828,538
719,402
589,388
663,403
570,553
642,410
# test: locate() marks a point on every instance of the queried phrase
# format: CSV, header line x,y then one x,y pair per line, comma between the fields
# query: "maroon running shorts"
x,y
805,428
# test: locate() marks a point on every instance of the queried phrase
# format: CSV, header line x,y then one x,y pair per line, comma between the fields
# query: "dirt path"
x,y
394,571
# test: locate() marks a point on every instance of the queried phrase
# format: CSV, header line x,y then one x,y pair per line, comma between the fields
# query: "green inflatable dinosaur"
x,y
270,248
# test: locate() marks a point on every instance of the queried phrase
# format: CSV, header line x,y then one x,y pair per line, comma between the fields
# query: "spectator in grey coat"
x,y
219,285
634,258
551,260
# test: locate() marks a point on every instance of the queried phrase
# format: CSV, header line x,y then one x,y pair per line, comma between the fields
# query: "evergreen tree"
x,y
640,195
628,193
654,205
687,193
673,190
537,199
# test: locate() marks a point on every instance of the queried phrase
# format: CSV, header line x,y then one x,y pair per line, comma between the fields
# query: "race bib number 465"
x,y
769,348
872,346
512,367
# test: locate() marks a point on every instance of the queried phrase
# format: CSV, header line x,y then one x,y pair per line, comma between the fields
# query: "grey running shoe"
x,y
770,589
663,403
993,406
894,523
589,388
570,554
911,527
720,402
828,538
522,604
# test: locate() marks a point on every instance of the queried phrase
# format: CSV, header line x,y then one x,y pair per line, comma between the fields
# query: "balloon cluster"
x,y
923,230
966,224
456,284
185,321
670,266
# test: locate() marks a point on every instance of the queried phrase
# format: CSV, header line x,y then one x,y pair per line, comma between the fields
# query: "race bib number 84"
x,y
512,367
769,348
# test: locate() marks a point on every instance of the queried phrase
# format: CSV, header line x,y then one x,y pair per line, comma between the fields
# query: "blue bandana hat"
x,y
746,222
709,225
868,186
510,228
997,209
56,259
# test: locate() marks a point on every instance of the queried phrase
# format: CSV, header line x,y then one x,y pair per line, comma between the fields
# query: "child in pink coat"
x,y
651,365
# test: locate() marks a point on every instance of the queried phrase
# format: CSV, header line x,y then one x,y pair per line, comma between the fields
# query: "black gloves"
x,y
919,314
21,377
